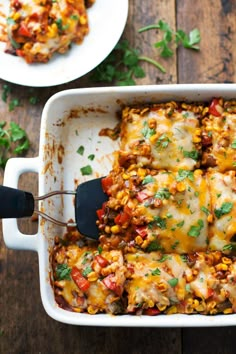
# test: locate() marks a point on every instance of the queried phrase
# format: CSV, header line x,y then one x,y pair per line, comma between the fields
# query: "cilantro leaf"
x,y
195,230
63,272
224,209
86,170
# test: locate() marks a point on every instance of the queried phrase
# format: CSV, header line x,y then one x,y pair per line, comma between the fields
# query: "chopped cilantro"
x,y
205,210
15,102
180,224
162,193
146,131
175,244
224,209
194,154
86,271
195,230
5,92
86,170
173,282
233,145
228,247
164,258
91,157
182,174
63,272
159,222
80,150
99,249
148,179
153,246
156,272
184,258
162,142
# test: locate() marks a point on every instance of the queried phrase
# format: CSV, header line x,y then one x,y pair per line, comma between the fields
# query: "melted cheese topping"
x,y
223,199
37,29
159,140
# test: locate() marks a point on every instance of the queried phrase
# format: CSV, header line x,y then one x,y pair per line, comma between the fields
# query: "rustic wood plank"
x,y
209,340
215,61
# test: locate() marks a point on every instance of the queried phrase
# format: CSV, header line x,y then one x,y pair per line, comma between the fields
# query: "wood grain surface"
x,y
24,325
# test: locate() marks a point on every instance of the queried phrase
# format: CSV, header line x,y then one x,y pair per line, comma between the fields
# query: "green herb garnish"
x,y
148,179
146,131
13,140
122,66
86,170
233,145
162,193
194,154
173,282
91,157
162,142
224,209
63,272
80,150
153,246
156,272
188,41
195,230
182,174
86,271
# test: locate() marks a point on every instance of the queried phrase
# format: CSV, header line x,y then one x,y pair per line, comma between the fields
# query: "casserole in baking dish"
x,y
74,118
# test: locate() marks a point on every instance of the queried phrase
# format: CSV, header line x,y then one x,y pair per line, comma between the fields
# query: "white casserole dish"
x,y
72,118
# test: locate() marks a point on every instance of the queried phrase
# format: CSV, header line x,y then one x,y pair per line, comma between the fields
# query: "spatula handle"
x,y
15,203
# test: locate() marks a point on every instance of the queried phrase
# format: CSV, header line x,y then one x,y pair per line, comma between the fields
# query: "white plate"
x,y
107,19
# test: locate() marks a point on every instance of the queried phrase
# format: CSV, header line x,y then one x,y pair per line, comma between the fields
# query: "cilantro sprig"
x,y
122,66
13,141
180,37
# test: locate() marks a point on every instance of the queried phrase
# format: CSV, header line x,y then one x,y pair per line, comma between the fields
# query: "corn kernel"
x,y
120,195
107,229
162,286
221,266
125,176
141,172
171,310
153,138
161,307
196,139
83,20
16,16
226,260
198,173
227,311
180,187
92,310
52,31
150,303
210,218
92,276
138,240
115,229
145,244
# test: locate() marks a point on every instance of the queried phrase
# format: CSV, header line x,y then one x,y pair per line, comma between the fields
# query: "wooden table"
x,y
24,325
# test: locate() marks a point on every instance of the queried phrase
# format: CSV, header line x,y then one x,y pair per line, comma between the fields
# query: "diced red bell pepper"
x,y
214,107
210,292
103,262
82,283
23,31
111,284
141,231
107,182
141,196
122,218
101,212
152,311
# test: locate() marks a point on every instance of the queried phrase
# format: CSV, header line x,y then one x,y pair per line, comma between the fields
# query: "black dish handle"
x,y
15,203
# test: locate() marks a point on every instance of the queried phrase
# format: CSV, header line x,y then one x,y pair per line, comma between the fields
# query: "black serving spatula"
x,y
89,197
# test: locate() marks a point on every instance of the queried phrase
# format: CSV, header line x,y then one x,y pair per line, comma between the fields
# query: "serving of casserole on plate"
x,y
46,43
165,256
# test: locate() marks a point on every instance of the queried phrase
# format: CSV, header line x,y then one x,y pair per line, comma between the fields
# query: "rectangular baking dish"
x,y
71,119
